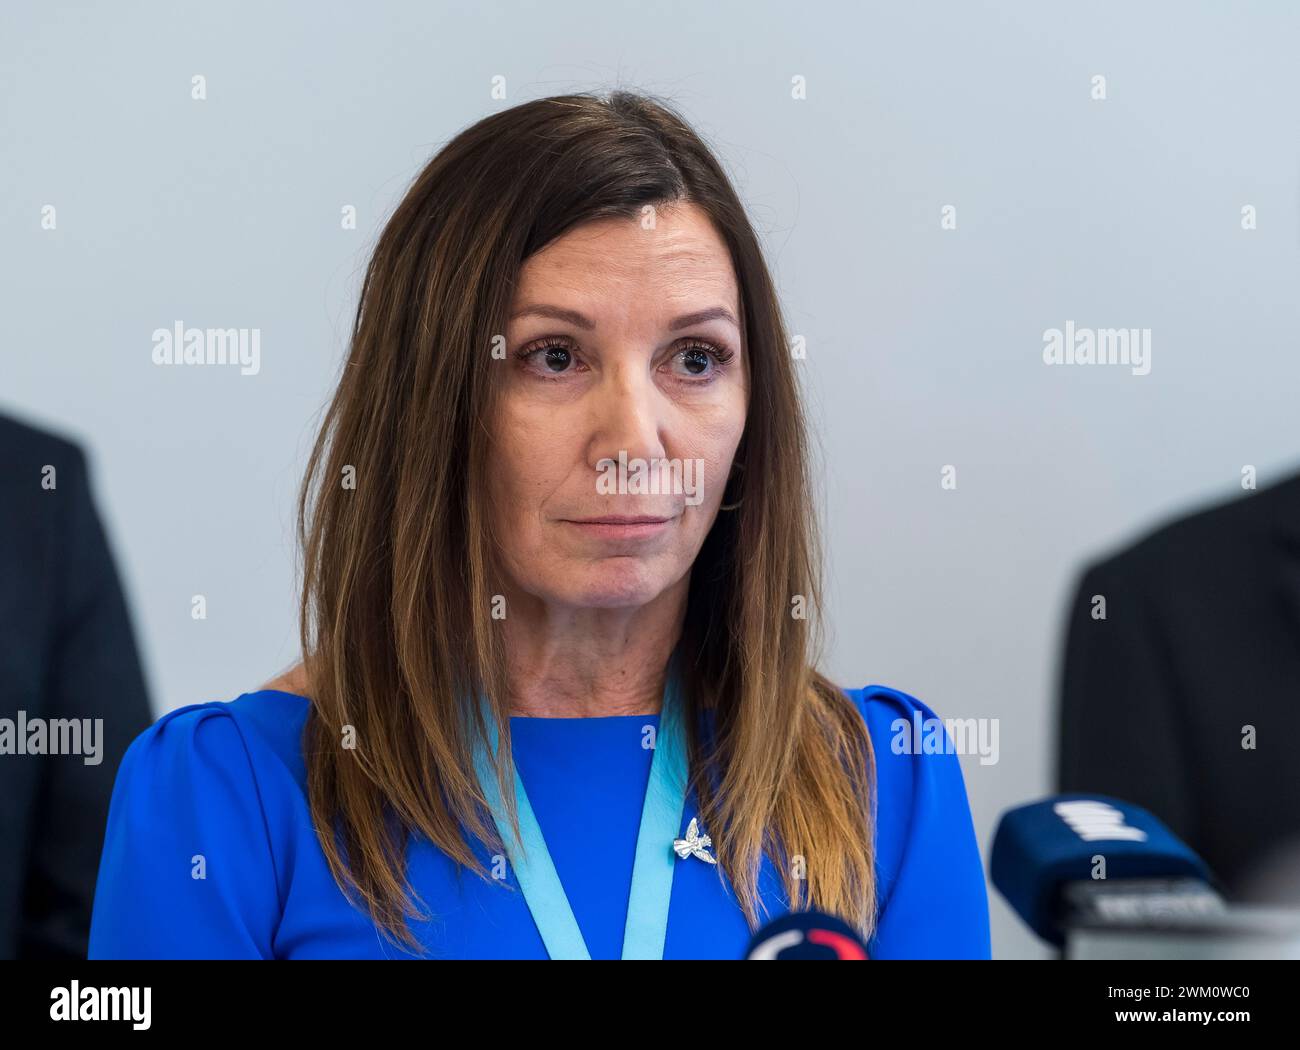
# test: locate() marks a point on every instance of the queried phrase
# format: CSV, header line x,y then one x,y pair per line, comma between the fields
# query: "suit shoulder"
x,y
1229,525
27,441
26,454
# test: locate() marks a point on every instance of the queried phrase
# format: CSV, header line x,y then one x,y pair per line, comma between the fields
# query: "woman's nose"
x,y
629,415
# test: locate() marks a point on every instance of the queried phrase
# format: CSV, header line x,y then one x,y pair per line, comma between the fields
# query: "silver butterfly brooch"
x,y
694,844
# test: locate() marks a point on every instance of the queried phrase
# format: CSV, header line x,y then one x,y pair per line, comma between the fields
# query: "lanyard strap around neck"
x,y
652,872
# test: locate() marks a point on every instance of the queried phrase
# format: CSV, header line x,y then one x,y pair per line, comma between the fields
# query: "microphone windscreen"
x,y
1040,847
806,935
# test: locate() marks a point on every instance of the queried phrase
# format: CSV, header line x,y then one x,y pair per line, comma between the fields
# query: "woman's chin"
x,y
607,586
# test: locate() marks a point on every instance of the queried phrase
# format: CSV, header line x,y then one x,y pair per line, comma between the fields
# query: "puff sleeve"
x,y
932,897
187,870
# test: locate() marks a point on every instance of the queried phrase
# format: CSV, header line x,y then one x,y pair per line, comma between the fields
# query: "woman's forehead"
x,y
678,266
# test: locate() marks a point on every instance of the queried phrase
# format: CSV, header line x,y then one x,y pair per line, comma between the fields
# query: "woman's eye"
x,y
552,359
696,361
555,358
700,361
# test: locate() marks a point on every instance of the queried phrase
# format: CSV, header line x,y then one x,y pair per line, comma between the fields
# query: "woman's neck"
x,y
591,663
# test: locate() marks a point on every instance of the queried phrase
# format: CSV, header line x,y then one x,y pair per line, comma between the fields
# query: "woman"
x,y
557,696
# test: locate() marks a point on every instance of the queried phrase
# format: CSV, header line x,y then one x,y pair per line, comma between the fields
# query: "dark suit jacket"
x,y
66,651
1201,638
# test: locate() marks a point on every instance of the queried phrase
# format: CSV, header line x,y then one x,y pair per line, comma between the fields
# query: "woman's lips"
x,y
622,527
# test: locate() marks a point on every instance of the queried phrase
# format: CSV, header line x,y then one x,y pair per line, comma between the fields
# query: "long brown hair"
x,y
399,566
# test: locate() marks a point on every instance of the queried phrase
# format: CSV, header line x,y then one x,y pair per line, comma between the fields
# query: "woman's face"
x,y
623,402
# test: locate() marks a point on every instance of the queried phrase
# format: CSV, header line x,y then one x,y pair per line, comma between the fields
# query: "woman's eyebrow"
x,y
700,316
560,313
556,313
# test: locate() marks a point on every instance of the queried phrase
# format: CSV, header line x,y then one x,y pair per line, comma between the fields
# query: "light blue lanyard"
x,y
652,871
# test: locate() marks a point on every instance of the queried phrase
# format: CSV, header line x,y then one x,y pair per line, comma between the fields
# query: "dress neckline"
x,y
582,718
513,718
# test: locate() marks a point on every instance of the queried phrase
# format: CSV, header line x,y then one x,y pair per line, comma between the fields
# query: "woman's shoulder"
x,y
260,731
881,705
209,795
914,751
888,712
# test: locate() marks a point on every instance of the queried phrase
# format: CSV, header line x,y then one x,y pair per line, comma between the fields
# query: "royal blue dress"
x,y
209,850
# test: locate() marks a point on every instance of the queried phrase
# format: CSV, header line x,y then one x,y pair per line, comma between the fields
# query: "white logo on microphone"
x,y
1092,821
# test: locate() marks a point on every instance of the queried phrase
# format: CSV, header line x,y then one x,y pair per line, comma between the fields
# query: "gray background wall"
x,y
924,344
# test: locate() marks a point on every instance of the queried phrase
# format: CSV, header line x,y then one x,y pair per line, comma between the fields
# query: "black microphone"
x,y
806,935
